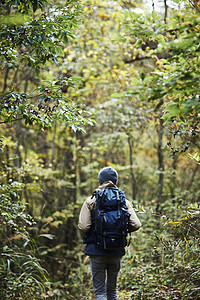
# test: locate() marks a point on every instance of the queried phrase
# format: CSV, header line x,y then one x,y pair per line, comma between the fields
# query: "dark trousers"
x,y
105,270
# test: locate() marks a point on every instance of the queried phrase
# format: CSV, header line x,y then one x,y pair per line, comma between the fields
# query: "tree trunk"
x,y
53,147
7,163
133,180
153,5
172,184
44,198
13,84
166,11
190,182
5,79
70,168
160,166
26,85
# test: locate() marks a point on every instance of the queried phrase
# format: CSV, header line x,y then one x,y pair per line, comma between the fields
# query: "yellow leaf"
x,y
69,58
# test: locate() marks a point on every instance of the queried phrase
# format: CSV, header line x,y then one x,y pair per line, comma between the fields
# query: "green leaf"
x,y
138,43
118,37
117,95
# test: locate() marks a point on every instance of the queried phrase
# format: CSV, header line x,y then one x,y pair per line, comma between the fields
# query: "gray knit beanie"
x,y
108,173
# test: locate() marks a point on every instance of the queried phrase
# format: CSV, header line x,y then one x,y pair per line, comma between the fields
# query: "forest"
x,y
84,85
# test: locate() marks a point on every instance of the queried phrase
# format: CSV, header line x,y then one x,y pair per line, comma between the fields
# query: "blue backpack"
x,y
110,219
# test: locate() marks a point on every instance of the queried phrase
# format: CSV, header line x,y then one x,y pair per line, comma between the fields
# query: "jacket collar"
x,y
107,184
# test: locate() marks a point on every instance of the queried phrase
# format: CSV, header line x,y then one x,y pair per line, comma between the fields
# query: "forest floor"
x,y
122,295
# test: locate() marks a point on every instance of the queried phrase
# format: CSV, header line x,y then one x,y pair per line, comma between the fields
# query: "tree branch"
x,y
5,122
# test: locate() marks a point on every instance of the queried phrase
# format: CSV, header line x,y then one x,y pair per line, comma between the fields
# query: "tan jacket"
x,y
90,203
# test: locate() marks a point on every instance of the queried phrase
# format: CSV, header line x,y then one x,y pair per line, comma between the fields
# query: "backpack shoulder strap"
x,y
100,195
